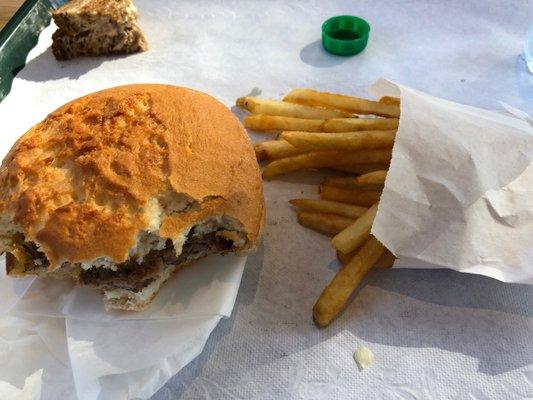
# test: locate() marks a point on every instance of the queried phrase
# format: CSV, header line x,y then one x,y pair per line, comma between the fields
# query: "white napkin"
x,y
459,192
90,354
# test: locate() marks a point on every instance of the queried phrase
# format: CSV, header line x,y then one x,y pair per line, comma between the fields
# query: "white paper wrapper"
x,y
209,288
90,354
459,193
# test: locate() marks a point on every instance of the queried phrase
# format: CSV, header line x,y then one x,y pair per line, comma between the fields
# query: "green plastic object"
x,y
345,35
20,35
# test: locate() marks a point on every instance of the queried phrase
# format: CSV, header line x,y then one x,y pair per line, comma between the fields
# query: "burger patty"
x,y
135,277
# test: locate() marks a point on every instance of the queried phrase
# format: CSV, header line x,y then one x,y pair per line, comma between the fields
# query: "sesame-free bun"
x,y
85,183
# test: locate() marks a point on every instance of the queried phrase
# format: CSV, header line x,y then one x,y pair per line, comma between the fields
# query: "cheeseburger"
x,y
119,189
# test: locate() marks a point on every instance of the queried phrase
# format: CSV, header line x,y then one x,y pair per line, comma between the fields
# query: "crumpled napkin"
x,y
459,192
56,341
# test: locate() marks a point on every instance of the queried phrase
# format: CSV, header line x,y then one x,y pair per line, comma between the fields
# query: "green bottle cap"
x,y
345,35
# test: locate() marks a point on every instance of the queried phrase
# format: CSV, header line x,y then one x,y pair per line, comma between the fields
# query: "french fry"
x,y
284,109
351,183
346,141
274,149
323,130
329,207
364,198
260,153
360,168
276,123
330,224
325,159
345,258
340,102
335,296
386,260
375,177
395,101
352,237
370,181
358,124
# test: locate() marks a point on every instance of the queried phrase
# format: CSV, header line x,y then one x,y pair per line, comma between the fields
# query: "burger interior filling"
x,y
150,263
134,277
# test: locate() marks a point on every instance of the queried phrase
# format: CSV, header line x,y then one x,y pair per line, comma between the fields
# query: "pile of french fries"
x,y
317,130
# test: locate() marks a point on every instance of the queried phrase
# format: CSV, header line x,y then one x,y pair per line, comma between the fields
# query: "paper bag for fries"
x,y
459,192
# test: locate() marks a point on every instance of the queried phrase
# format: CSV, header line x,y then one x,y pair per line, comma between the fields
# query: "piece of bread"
x,y
120,188
96,28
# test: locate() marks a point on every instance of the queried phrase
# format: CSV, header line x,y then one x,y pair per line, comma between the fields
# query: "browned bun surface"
x,y
85,182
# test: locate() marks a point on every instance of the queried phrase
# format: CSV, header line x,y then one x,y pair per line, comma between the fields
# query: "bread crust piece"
x,y
96,27
66,47
85,182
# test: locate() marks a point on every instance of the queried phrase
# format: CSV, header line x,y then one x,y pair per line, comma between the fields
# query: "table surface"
x,y
7,9
436,334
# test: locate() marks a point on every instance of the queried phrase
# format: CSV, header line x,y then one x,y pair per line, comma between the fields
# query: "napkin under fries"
x,y
459,192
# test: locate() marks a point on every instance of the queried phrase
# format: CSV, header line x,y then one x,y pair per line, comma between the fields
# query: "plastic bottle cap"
x,y
345,35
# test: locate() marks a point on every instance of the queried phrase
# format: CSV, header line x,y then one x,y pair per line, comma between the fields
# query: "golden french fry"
x,y
364,198
375,177
329,207
330,224
276,123
360,168
260,153
335,296
351,183
345,258
274,149
352,237
386,260
325,159
395,101
370,181
284,109
356,105
358,124
345,141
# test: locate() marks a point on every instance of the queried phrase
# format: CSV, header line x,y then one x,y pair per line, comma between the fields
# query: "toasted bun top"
x,y
84,182
116,9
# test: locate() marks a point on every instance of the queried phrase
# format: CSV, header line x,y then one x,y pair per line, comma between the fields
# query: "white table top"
x,y
436,334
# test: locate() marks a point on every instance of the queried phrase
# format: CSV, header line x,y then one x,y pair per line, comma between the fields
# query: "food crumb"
x,y
363,356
